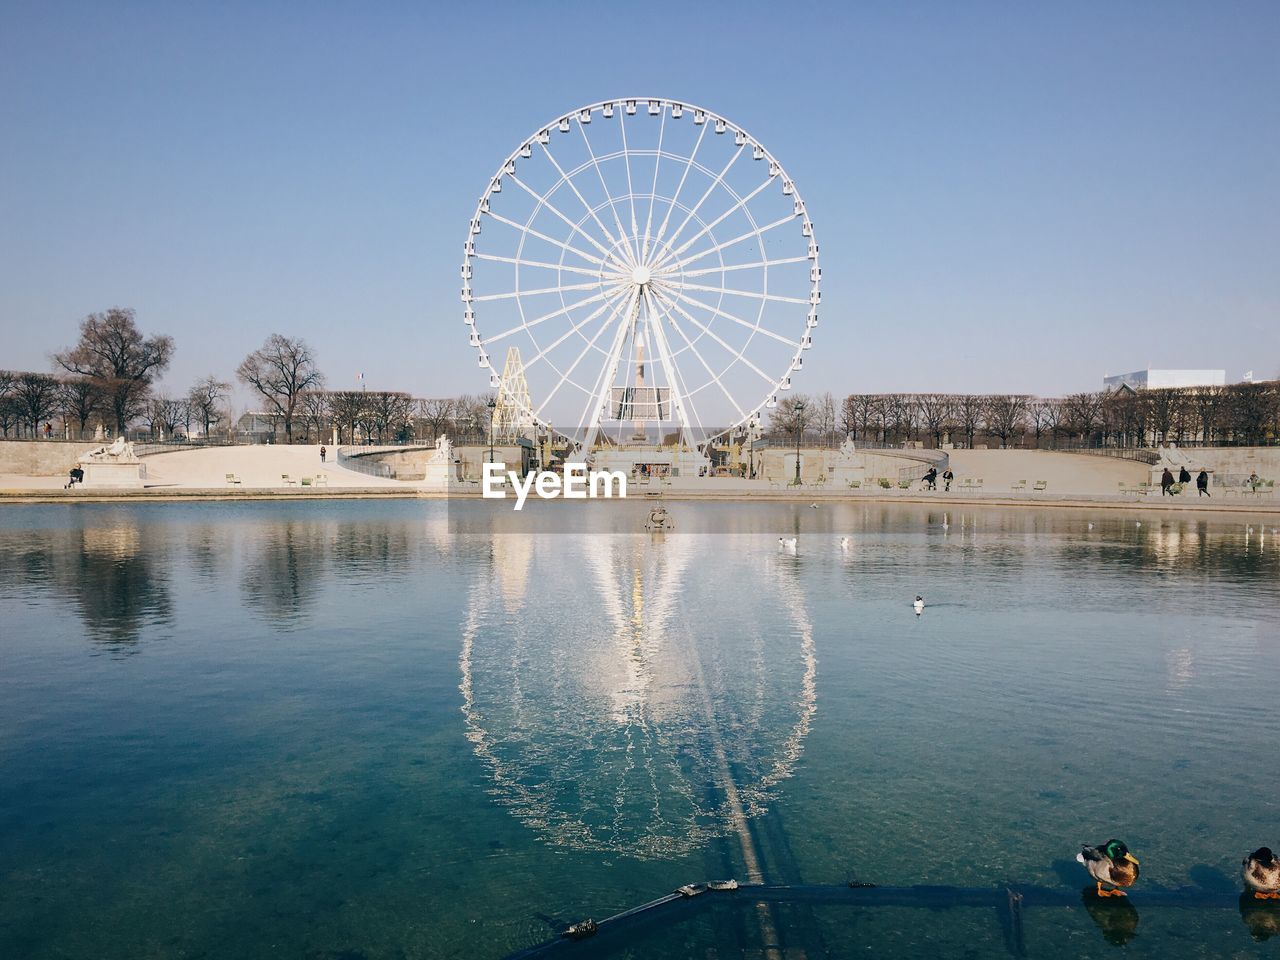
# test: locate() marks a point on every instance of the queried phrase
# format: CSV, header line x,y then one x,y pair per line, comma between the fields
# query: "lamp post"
x,y
753,431
799,409
492,406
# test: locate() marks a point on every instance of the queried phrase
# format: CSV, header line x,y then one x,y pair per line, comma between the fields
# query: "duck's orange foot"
x,y
1259,895
1108,893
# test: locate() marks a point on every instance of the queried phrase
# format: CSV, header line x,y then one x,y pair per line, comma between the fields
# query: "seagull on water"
x,y
787,544
919,605
844,543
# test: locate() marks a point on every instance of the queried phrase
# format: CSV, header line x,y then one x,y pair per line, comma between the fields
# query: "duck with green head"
x,y
1110,863
1261,872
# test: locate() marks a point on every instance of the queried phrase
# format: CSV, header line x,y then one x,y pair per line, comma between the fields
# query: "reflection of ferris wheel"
x,y
653,264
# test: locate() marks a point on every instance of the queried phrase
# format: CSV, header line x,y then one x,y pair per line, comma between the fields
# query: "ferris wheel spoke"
x,y
613,204
545,203
773,297
738,355
631,193
680,186
524,228
583,200
534,293
758,232
666,312
703,271
653,190
518,262
741,204
545,317
541,354
738,320
719,179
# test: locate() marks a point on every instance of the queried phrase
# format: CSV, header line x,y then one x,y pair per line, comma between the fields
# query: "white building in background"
x,y
1151,379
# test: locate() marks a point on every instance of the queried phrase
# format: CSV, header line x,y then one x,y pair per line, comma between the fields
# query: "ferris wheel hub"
x,y
640,275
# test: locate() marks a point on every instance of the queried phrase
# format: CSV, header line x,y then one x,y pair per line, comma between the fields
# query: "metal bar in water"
x,y
1008,902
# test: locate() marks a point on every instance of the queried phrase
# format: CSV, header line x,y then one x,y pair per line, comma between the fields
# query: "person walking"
x,y
947,477
1184,476
931,478
322,453
1202,484
1166,481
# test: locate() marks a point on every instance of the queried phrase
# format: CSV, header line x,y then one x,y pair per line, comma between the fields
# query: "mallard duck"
x,y
1110,863
1261,872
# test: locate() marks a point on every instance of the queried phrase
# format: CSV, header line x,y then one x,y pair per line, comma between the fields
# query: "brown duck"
x,y
1261,873
1111,863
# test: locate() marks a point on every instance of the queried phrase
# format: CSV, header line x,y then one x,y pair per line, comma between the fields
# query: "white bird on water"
x,y
814,506
845,543
787,544
919,605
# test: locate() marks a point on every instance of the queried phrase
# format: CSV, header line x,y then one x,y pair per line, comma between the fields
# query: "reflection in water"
x,y
646,711
116,576
1262,917
288,570
1116,917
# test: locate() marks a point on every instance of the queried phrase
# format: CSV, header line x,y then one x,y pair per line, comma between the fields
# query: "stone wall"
x,y
42,458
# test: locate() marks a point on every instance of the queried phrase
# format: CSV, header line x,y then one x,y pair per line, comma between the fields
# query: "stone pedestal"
x,y
103,474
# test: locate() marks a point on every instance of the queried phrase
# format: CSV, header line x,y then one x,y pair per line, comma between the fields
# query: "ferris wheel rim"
x,y
621,255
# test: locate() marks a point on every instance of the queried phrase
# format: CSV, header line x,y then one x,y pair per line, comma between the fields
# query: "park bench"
x,y
322,480
233,480
1019,486
288,481
855,484
305,481
1040,486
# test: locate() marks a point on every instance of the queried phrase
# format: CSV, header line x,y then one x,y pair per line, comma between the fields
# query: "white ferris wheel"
x,y
651,268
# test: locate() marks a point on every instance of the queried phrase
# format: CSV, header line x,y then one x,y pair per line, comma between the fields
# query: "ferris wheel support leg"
x,y
687,431
604,386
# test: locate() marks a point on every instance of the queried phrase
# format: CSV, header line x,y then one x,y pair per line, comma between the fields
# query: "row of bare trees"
x,y
1242,413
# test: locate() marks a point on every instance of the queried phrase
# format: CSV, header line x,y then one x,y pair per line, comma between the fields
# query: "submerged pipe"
x,y
1008,902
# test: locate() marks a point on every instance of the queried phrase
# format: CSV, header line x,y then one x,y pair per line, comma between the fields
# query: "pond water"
x,y
363,729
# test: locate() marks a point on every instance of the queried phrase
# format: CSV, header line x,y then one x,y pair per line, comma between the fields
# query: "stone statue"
x,y
444,451
120,451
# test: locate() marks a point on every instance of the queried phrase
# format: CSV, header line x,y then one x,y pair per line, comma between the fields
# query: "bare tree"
x,y
1005,414
935,411
35,395
79,399
206,398
345,407
438,414
123,363
8,406
388,413
315,408
791,416
824,418
165,414
280,370
1083,413
969,409
863,410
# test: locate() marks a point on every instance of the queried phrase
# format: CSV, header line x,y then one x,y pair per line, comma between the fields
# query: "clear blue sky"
x,y
1009,196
